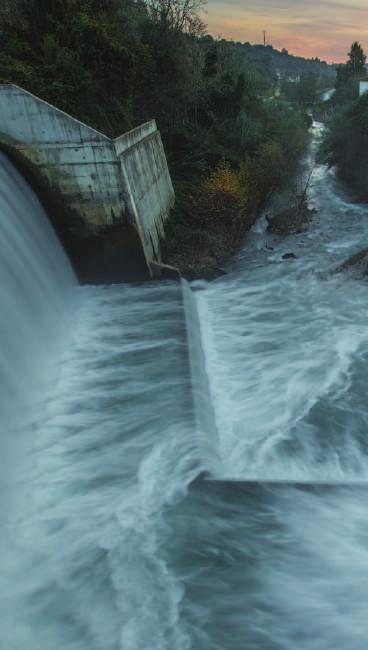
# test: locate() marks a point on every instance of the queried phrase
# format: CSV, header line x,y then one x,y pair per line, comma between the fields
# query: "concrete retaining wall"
x,y
150,193
105,182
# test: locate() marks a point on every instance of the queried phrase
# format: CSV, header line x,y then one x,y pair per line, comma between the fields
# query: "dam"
x,y
114,195
184,466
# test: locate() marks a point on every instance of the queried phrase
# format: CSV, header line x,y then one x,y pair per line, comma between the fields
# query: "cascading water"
x,y
104,428
269,564
286,349
35,280
35,276
109,542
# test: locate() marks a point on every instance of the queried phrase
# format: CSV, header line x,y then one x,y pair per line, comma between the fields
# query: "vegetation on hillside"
x,y
306,91
346,140
231,137
286,65
346,145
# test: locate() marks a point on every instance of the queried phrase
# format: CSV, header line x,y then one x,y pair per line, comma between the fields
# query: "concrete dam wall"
x,y
122,186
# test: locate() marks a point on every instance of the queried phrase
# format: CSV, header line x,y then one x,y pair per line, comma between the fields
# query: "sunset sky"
x,y
324,28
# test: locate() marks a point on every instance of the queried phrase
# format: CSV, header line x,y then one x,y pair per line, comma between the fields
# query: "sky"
x,y
323,28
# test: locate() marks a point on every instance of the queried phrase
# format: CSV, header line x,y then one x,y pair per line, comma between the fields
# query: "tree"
x,y
357,59
71,53
348,76
346,144
211,60
307,89
179,15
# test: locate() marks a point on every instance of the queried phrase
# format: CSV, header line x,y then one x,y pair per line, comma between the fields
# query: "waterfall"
x,y
35,277
35,280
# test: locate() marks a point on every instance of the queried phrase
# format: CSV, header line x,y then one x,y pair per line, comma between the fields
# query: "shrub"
x,y
271,168
223,196
224,181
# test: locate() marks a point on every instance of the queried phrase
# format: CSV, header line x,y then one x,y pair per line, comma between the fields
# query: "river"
x,y
184,468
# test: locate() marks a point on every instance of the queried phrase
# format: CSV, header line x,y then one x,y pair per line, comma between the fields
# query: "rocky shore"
x,y
357,263
203,254
291,221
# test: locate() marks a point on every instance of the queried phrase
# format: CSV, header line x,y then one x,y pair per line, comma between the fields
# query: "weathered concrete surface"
x,y
150,193
104,182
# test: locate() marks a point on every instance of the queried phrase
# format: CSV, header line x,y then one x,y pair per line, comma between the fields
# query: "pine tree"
x,y
357,59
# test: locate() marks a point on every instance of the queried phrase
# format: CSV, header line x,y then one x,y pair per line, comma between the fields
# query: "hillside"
x,y
287,65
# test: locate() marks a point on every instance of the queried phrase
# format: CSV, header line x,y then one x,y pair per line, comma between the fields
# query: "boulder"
x,y
358,262
292,220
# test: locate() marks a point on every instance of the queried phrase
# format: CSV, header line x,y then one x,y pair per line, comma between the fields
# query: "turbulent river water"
x,y
117,402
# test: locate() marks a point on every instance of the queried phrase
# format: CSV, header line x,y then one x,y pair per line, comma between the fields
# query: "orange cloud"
x,y
308,28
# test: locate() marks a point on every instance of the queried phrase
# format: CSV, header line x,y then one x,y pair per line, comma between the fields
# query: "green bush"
x,y
346,144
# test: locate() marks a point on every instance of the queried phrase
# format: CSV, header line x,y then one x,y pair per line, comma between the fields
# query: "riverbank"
x,y
203,253
202,237
214,211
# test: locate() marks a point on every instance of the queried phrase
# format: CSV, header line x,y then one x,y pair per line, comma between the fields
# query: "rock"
x,y
355,262
291,221
289,256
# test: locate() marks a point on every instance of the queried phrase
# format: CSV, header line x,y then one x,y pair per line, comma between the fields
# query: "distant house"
x,y
363,88
293,78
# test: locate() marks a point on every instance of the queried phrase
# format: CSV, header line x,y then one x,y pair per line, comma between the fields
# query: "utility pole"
x,y
264,37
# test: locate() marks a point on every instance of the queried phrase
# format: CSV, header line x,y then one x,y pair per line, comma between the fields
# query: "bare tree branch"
x,y
179,15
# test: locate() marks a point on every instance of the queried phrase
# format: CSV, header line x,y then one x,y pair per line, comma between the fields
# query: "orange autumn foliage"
x,y
224,180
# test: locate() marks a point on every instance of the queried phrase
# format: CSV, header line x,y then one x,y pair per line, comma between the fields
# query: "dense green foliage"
x,y
357,60
348,76
70,52
346,144
346,138
306,91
